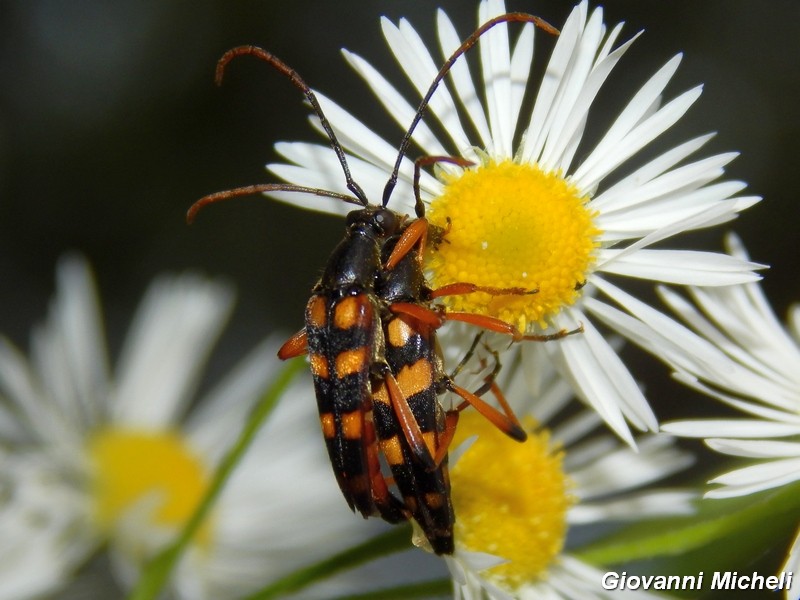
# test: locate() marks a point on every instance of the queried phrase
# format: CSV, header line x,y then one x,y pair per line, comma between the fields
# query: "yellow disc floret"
x,y
130,466
513,225
510,500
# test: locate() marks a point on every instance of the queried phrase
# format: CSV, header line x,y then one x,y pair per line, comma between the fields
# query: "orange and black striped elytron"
x,y
345,324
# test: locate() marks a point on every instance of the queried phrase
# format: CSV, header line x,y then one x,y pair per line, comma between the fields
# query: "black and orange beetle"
x,y
358,378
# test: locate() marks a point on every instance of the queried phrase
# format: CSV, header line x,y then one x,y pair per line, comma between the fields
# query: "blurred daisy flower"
x,y
89,460
516,502
736,351
527,213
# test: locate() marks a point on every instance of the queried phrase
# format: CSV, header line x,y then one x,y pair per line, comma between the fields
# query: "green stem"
x,y
158,570
394,540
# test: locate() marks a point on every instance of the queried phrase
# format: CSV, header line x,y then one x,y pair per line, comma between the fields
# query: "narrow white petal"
x,y
743,383
755,448
167,343
648,321
635,140
496,68
317,167
745,326
682,267
704,218
576,428
692,209
634,507
359,139
600,378
773,474
77,322
623,469
221,414
30,412
730,428
417,63
521,61
630,117
395,104
547,101
692,356
576,120
679,180
627,134
566,119
449,41
619,192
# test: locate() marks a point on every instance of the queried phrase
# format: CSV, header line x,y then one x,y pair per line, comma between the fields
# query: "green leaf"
x,y
762,515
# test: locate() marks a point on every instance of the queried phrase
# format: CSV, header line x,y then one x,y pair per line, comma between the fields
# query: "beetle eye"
x,y
386,221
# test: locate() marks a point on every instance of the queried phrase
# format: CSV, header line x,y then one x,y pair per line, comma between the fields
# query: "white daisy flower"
x,y
90,460
515,502
528,213
736,351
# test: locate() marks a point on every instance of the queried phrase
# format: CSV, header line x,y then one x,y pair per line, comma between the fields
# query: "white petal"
x,y
600,378
632,192
634,128
417,63
219,417
734,428
395,104
770,474
496,67
449,41
576,90
686,222
316,166
359,139
624,469
634,507
683,267
521,61
547,98
167,343
755,448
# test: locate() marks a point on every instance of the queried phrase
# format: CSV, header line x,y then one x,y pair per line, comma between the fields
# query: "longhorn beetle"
x,y
346,317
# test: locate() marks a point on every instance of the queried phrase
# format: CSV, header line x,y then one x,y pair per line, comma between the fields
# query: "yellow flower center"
x,y
513,225
510,500
131,465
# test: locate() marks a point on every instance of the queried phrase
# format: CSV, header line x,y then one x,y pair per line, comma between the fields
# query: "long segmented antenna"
x,y
466,45
298,82
260,189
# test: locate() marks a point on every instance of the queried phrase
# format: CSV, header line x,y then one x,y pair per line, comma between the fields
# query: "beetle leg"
x,y
297,345
388,506
408,423
415,232
505,421
418,312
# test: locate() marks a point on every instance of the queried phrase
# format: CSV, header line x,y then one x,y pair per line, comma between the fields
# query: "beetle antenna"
x,y
260,189
298,82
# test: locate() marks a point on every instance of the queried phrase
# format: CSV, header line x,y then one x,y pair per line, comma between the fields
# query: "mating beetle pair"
x,y
370,334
